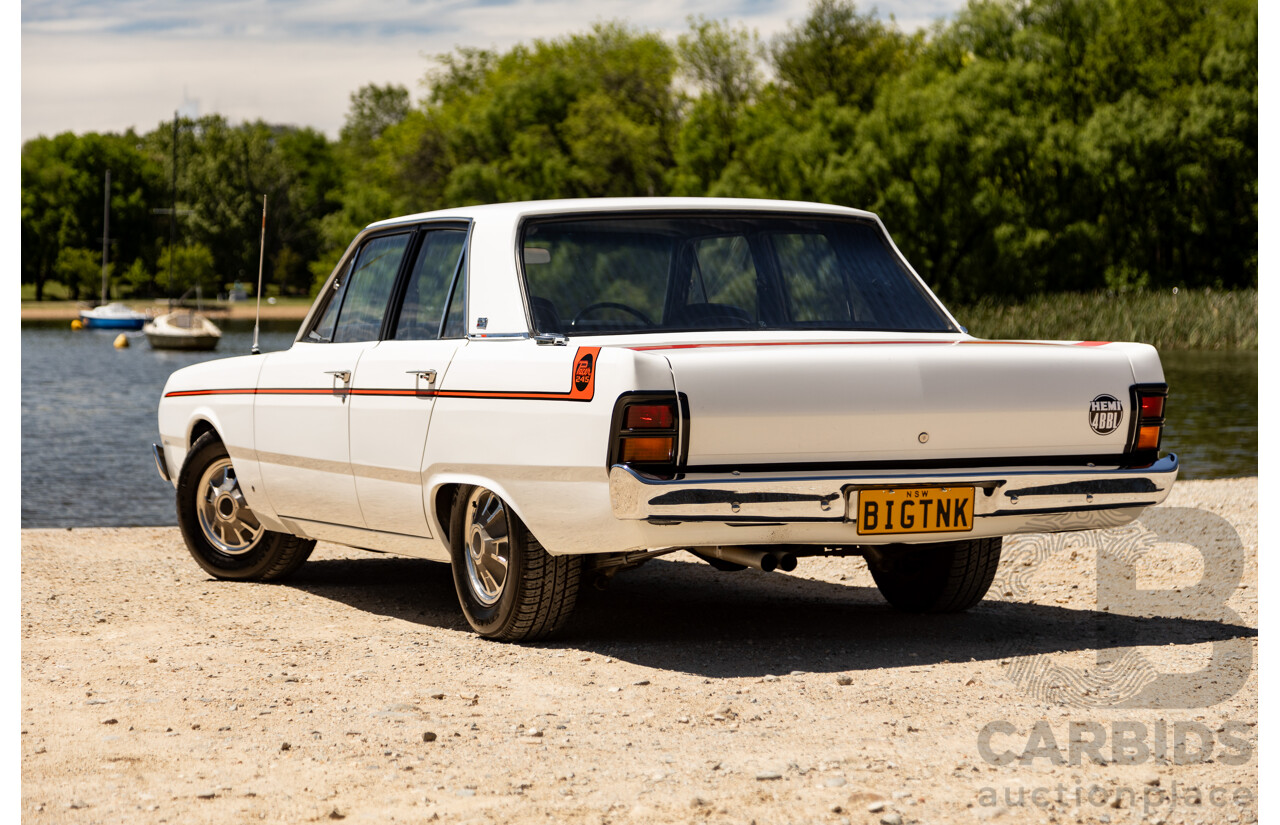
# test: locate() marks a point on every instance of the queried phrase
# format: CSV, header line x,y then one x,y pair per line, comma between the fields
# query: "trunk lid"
x,y
789,402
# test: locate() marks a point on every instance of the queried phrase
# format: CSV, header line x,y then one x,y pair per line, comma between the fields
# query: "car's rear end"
x,y
883,441
822,401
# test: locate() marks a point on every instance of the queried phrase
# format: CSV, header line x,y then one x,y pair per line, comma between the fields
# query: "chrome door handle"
x,y
426,375
345,375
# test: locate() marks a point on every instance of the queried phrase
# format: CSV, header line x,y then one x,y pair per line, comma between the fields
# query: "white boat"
x,y
112,316
184,329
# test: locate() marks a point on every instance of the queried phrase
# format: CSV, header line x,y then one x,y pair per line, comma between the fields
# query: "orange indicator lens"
x,y
649,417
1149,437
647,449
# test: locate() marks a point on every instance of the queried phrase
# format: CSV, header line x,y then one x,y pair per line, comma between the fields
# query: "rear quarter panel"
x,y
545,456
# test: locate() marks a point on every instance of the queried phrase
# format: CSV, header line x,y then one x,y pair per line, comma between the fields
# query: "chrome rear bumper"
x,y
1007,500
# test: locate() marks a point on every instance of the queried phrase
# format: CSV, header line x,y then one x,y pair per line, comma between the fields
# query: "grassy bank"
x,y
1191,319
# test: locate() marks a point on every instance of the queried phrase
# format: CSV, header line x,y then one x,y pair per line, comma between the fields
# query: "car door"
x,y
393,392
301,407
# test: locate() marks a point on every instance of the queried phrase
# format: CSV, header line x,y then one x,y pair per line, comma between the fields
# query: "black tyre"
x,y
222,533
509,587
936,578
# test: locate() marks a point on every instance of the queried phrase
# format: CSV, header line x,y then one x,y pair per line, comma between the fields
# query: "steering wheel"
x,y
611,305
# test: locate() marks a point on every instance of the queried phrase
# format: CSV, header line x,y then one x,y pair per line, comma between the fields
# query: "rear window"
x,y
697,272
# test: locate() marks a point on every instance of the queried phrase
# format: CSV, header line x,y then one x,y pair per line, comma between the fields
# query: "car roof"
x,y
515,211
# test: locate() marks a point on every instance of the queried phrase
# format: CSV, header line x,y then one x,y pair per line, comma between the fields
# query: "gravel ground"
x,y
152,693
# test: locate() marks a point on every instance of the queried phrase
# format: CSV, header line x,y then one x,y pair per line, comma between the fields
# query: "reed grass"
x,y
1187,319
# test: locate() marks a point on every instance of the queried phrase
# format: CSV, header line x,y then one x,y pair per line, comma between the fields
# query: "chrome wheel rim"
x,y
486,534
225,519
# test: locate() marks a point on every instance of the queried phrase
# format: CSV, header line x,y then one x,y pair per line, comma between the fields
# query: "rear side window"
x,y
430,280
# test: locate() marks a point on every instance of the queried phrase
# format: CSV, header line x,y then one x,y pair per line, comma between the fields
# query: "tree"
x,y
193,265
80,270
840,52
517,125
62,202
374,109
721,62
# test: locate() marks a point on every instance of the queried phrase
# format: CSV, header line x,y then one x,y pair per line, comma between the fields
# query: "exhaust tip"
x,y
768,562
786,562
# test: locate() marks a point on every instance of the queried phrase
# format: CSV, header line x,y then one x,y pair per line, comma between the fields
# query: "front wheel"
x,y
222,533
936,578
509,587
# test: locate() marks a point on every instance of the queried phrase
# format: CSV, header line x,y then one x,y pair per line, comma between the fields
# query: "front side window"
x,y
359,302
712,271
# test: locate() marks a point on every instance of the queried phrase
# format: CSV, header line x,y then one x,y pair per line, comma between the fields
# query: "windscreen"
x,y
691,272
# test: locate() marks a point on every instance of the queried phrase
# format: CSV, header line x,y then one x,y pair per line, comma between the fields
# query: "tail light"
x,y
646,432
1148,419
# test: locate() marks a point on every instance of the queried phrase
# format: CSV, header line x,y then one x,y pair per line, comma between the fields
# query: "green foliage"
x,y
837,51
1023,147
62,205
80,270
137,280
192,265
374,109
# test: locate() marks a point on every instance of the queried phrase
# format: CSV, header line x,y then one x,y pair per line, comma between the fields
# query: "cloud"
x,y
107,65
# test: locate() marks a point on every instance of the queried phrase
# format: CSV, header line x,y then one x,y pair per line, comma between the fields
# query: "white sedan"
x,y
538,393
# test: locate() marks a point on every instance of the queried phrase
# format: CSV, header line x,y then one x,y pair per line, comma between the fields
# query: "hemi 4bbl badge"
x,y
1105,414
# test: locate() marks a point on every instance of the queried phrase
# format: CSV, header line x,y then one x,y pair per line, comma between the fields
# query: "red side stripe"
x,y
582,387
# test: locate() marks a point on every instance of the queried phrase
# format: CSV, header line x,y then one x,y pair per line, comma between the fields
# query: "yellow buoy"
x,y
75,324
122,341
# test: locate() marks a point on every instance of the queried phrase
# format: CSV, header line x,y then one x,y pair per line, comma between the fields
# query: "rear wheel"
x,y
936,578
222,532
509,587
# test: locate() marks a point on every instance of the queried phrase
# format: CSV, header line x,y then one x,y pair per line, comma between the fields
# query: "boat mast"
x,y
173,211
106,222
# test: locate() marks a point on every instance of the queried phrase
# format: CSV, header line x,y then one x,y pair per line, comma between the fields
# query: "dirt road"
x,y
151,693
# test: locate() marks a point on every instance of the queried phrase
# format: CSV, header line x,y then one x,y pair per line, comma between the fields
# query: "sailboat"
x,y
110,315
180,329
184,329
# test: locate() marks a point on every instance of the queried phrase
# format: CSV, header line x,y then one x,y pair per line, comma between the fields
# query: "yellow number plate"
x,y
905,510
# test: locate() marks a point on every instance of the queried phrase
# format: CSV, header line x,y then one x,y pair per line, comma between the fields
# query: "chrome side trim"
x,y
162,466
422,547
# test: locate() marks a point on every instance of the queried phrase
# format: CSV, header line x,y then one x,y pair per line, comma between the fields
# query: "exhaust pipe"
x,y
766,560
745,556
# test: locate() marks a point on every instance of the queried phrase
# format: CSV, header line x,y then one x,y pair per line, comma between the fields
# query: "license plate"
x,y
906,510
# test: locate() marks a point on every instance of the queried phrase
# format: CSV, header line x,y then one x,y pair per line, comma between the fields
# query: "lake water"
x,y
89,419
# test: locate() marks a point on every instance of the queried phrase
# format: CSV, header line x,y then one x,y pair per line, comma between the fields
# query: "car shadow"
x,y
688,617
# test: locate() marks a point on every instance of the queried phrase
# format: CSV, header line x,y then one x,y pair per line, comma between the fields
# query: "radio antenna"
x,y
262,248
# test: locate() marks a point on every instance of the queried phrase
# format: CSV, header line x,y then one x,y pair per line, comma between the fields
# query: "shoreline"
x,y
241,310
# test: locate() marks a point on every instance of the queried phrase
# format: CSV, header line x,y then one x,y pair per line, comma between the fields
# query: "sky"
x,y
108,65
